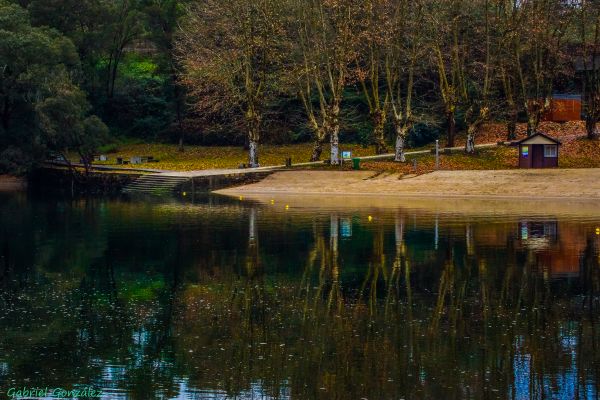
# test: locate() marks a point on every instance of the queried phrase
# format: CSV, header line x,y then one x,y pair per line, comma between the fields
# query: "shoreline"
x,y
528,185
476,207
411,196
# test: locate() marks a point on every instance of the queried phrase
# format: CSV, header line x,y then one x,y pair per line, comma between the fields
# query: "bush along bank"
x,y
63,180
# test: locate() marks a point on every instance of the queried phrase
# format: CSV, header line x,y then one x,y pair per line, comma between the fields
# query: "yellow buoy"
x,y
287,207
184,193
597,231
241,197
370,218
272,201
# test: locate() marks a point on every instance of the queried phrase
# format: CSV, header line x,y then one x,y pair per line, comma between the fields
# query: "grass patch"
x,y
201,157
576,152
485,159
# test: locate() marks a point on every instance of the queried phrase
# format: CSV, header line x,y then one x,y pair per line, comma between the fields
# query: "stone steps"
x,y
157,184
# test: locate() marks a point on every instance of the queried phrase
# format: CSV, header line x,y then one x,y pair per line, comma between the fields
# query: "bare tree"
x,y
589,30
374,46
444,20
476,94
537,51
461,43
232,53
390,42
326,49
508,37
400,83
404,47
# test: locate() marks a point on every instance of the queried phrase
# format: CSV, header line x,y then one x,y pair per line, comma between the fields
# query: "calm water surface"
x,y
229,299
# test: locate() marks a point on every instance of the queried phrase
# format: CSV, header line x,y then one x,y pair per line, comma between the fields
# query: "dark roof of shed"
x,y
540,134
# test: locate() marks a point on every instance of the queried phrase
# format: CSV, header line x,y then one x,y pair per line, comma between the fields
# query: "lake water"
x,y
222,298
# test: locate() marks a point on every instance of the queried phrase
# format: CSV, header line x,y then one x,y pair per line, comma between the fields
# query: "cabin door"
x,y
537,156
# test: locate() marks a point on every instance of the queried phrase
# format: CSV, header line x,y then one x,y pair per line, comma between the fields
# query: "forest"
x,y
76,75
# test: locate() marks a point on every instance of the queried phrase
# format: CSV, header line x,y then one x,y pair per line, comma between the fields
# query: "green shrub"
x,y
423,134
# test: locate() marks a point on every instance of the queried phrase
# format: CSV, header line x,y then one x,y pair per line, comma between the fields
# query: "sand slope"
x,y
526,184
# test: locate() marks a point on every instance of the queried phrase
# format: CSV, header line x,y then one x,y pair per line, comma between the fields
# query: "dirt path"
x,y
526,184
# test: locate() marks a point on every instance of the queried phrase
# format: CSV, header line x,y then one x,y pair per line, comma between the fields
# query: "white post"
x,y
437,154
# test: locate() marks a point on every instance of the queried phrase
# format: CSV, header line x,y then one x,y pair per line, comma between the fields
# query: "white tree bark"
x,y
399,149
335,134
470,144
335,147
253,154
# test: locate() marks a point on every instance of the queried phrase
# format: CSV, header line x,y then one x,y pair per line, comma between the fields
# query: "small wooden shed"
x,y
538,151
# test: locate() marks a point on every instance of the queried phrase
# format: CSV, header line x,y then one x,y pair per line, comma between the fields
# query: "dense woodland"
x,y
79,74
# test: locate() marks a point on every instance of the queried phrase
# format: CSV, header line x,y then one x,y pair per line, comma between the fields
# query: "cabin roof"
x,y
527,139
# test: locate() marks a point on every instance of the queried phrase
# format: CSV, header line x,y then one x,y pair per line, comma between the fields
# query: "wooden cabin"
x,y
538,151
563,108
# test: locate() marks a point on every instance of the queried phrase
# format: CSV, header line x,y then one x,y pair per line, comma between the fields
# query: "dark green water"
x,y
226,299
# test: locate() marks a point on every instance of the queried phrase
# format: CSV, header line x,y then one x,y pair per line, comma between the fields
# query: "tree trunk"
x,y
317,149
532,124
253,153
378,118
534,113
335,132
511,125
400,141
591,127
335,146
470,144
113,78
109,74
253,121
114,72
450,128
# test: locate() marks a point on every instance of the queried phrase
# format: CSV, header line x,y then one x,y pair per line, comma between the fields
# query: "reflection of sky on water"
x,y
562,385
255,392
174,274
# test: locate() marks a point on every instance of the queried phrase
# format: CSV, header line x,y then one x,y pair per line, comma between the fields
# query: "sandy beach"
x,y
522,184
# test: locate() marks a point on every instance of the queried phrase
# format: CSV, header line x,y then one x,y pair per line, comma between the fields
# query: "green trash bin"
x,y
356,163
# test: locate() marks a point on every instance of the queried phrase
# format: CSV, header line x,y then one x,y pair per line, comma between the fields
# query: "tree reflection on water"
x,y
227,300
